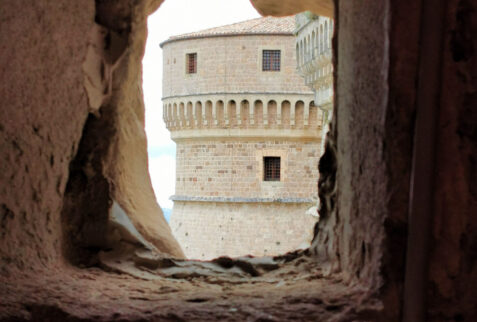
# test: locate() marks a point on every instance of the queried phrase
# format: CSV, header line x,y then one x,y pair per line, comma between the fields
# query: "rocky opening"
x,y
42,120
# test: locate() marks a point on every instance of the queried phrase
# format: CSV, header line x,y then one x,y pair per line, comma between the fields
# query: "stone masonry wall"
x,y
225,119
216,73
210,229
234,168
223,206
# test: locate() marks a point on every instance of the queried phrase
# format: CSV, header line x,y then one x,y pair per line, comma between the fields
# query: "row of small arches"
x,y
315,43
200,114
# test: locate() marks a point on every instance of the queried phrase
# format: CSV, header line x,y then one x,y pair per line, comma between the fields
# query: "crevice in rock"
x,y
324,243
89,220
87,198
327,182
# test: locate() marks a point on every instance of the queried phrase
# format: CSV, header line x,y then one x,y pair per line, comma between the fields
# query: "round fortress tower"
x,y
248,140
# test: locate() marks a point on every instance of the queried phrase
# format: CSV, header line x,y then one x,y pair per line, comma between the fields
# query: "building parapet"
x,y
235,111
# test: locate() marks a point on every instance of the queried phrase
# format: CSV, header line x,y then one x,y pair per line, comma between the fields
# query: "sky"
x,y
176,17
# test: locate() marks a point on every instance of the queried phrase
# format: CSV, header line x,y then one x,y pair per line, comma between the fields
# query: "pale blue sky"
x,y
176,17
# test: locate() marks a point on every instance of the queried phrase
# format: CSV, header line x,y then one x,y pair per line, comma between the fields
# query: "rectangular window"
x,y
271,60
191,63
271,168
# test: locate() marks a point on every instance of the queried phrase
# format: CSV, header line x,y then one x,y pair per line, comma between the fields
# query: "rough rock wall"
x,y
45,106
127,160
353,235
374,148
44,109
372,138
120,114
286,8
453,258
398,136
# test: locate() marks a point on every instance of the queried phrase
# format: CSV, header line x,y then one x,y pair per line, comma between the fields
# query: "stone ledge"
x,y
242,199
244,95
300,134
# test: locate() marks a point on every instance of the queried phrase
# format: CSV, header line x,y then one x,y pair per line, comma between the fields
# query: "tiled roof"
x,y
263,25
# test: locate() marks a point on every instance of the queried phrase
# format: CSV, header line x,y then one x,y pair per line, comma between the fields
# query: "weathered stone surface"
x,y
42,115
45,107
126,161
291,7
453,260
45,126
298,292
207,230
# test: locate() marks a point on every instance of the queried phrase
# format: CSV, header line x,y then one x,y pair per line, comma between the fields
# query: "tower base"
x,y
207,230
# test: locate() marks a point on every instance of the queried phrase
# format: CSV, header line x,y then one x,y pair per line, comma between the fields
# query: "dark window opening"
x,y
271,168
191,62
271,60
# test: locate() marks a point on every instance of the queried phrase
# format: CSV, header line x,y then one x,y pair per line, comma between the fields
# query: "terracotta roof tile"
x,y
263,25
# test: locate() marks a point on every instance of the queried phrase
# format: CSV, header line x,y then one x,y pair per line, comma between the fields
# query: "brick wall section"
x,y
230,64
207,230
233,168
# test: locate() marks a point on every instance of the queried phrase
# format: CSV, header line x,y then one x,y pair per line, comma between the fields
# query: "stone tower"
x,y
313,48
248,140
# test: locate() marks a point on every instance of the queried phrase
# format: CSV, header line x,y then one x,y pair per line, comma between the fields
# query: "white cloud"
x,y
157,134
163,175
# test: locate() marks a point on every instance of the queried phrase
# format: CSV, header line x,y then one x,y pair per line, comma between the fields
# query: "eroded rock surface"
x,y
73,148
291,7
44,109
112,156
295,290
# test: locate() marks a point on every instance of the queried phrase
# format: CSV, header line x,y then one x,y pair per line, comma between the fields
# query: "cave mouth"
x,y
109,207
376,256
187,235
109,179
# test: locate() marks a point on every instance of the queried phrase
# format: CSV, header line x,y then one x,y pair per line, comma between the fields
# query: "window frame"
x,y
271,65
188,63
270,170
